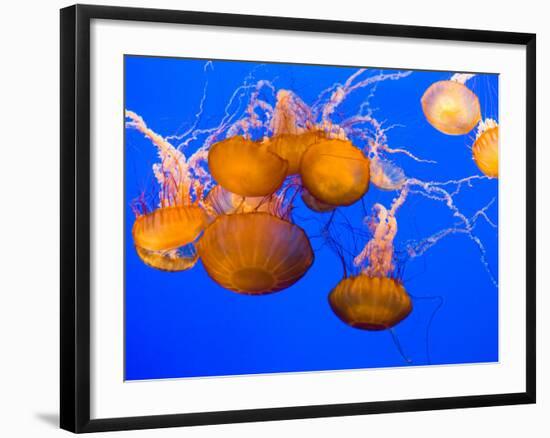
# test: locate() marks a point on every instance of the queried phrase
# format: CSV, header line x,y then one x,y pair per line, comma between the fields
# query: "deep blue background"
x,y
184,325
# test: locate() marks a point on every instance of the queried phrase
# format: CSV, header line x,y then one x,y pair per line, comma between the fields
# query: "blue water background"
x,y
185,325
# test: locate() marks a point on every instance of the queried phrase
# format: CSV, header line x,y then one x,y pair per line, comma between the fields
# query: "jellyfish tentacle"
x,y
399,346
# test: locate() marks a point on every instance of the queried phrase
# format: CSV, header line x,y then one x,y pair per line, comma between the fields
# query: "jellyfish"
x,y
315,204
370,303
255,253
385,175
293,130
173,260
169,227
221,201
335,172
485,148
375,299
245,167
291,147
451,107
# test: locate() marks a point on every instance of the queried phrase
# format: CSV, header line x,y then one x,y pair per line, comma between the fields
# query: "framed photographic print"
x,y
273,218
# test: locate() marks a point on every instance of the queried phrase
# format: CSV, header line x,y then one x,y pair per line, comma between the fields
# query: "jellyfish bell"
x,y
370,303
485,148
255,253
246,168
222,201
174,260
315,204
385,175
169,227
291,147
451,107
335,172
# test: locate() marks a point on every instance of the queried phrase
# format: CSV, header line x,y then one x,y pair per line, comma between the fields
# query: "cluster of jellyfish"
x,y
230,203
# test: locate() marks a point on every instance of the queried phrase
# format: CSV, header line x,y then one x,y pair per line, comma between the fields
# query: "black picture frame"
x,y
75,217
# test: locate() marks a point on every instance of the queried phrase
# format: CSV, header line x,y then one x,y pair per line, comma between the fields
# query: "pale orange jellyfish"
x,y
169,227
221,201
335,172
255,253
173,260
385,175
451,107
485,148
370,303
246,168
315,204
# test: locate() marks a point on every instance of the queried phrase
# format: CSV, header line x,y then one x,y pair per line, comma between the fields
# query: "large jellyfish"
x,y
451,107
246,168
335,172
255,253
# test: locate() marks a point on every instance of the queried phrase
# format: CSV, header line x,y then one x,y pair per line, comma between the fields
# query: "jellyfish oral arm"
x,y
462,77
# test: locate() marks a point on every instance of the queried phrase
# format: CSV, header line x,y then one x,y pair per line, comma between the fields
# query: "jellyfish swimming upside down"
x,y
164,238
370,303
168,227
255,253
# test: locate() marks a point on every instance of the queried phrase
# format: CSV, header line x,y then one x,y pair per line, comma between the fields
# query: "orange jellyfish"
x,y
370,303
451,107
221,201
485,148
245,167
291,147
315,204
169,227
335,172
374,299
179,259
293,131
255,253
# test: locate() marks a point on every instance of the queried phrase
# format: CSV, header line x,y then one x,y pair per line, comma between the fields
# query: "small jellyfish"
x,y
385,175
485,148
315,204
451,107
246,168
255,253
370,303
335,172
221,201
169,227
173,260
291,147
